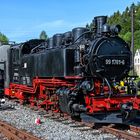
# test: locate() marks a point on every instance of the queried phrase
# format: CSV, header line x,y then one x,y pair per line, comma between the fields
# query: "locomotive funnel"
x,y
99,21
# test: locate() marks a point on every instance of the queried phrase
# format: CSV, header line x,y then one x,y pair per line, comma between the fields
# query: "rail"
x,y
122,131
13,133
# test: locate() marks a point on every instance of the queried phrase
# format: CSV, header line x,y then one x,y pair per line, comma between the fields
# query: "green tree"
x,y
127,37
137,39
3,39
43,35
124,19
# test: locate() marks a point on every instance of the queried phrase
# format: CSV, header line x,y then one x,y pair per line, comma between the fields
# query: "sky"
x,y
21,20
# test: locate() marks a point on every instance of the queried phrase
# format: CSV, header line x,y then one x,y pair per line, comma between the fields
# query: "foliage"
x,y
43,35
3,39
124,19
127,37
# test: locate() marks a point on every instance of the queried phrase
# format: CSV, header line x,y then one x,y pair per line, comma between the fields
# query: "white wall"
x,y
137,62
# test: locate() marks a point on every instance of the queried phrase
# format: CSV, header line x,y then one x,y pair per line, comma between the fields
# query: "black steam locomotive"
x,y
77,73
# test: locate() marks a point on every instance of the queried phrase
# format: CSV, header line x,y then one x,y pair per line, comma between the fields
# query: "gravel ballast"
x,y
2,137
24,118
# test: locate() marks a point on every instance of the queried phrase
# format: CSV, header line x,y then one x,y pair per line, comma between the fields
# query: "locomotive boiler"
x,y
77,73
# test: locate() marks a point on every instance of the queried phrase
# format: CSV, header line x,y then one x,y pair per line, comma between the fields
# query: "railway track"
x,y
13,133
128,132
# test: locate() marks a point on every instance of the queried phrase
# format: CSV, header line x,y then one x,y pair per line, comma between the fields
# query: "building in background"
x,y
137,62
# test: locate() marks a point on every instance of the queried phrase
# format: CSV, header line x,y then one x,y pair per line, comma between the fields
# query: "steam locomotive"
x,y
77,73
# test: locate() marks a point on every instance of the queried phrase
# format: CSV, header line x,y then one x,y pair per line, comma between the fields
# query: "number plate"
x,y
114,62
